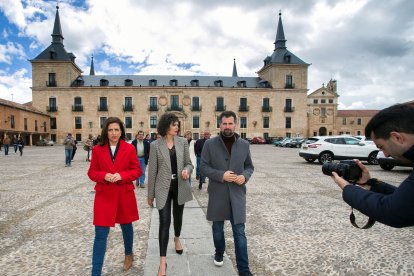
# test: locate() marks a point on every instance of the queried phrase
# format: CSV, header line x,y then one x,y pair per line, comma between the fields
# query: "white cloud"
x,y
14,11
10,50
15,86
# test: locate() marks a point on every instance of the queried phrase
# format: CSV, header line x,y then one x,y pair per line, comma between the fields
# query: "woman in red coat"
x,y
113,167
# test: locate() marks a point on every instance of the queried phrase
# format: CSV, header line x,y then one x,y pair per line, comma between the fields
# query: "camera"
x,y
348,169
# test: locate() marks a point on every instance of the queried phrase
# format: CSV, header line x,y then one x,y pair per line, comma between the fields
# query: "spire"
x,y
280,42
57,36
92,72
234,69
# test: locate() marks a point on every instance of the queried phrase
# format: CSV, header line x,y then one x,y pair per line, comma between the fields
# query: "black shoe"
x,y
218,260
178,251
245,273
200,186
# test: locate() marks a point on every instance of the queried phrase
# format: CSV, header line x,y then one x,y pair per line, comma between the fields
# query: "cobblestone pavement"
x,y
297,222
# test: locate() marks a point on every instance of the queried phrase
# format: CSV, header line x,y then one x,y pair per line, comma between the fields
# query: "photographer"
x,y
392,130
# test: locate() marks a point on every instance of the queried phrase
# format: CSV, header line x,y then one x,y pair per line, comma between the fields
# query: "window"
x,y
153,122
25,123
359,121
243,122
288,134
103,82
344,121
174,100
103,104
220,104
78,122
288,105
52,123
78,137
128,136
173,82
243,135
218,83
323,111
330,100
218,122
52,105
241,83
194,83
289,82
12,122
128,104
358,132
152,82
323,101
128,82
77,104
52,80
266,135
266,105
196,122
243,104
195,104
153,104
128,122
53,137
265,122
44,127
102,122
288,122
35,125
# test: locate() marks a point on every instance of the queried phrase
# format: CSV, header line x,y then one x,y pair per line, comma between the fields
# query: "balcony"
x,y
77,107
52,108
128,107
153,108
51,83
243,108
266,109
289,109
102,107
196,108
289,85
175,108
220,107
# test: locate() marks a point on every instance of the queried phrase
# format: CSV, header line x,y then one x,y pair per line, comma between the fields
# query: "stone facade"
x,y
23,120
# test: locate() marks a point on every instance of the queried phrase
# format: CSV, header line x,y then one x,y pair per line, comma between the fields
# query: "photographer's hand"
x,y
365,173
339,180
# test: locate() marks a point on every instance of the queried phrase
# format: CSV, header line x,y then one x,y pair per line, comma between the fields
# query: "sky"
x,y
366,45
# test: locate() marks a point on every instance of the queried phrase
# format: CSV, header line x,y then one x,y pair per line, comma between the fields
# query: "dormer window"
x,y
152,82
218,83
194,83
52,53
241,83
78,82
173,82
104,82
128,82
287,58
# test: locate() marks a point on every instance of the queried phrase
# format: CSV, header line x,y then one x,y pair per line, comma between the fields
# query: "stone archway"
x,y
322,131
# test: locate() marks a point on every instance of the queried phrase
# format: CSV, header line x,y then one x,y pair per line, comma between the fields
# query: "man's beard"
x,y
227,133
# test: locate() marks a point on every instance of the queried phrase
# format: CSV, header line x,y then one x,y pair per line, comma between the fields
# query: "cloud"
x,y
15,86
9,51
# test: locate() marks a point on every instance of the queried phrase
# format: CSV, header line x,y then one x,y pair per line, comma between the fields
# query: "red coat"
x,y
114,202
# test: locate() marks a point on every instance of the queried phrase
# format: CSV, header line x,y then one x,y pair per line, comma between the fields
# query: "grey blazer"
x,y
159,171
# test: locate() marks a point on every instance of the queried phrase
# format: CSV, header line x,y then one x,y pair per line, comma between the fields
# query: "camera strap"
x,y
368,225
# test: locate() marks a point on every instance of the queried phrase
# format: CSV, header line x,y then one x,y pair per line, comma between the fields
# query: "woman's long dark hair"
x,y
104,134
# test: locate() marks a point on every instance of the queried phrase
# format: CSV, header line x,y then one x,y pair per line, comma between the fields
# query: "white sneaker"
x,y
218,261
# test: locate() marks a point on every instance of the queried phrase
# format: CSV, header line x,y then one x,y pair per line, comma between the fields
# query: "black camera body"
x,y
348,169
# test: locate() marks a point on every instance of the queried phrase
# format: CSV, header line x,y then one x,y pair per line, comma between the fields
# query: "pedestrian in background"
x,y
198,148
169,169
68,142
20,144
114,165
142,148
75,148
88,147
227,163
6,144
189,136
15,142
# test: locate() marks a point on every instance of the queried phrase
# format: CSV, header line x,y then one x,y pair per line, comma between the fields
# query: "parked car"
x,y
284,142
278,143
271,140
45,142
295,143
258,140
328,148
388,163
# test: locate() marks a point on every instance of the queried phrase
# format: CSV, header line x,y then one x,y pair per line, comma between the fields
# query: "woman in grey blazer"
x,y
169,169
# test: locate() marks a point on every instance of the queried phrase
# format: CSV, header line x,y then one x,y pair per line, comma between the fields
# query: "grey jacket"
x,y
159,171
226,198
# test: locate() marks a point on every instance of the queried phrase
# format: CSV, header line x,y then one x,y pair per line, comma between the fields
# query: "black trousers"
x,y
165,218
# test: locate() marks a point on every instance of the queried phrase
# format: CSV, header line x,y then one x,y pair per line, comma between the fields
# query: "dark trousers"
x,y
165,218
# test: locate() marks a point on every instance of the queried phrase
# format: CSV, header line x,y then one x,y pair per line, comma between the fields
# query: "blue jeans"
x,y
6,149
15,147
141,179
68,156
99,245
240,243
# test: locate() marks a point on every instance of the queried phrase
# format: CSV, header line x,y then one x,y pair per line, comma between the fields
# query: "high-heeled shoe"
x,y
179,251
165,270
129,259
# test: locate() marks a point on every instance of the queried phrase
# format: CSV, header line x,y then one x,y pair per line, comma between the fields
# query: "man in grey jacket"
x,y
227,163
